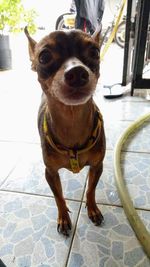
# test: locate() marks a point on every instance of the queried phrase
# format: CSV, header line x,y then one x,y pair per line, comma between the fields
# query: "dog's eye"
x,y
94,53
45,56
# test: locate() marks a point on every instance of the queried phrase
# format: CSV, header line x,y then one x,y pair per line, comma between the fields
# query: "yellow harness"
x,y
73,153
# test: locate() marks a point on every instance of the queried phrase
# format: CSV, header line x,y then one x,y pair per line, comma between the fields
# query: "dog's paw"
x,y
64,225
95,215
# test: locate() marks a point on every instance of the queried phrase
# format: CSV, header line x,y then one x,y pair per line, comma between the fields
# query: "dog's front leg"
x,y
64,222
93,211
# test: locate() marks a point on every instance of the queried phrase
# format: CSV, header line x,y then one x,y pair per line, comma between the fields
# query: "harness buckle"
x,y
74,162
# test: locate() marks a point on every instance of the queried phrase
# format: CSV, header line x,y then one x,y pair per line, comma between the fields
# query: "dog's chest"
x,y
73,160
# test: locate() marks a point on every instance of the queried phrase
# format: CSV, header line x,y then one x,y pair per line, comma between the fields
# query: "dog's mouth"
x,y
74,95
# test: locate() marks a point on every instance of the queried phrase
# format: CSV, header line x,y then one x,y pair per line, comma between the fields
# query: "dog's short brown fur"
x,y
67,64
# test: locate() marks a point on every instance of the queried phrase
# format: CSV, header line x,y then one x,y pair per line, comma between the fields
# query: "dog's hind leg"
x,y
93,211
64,222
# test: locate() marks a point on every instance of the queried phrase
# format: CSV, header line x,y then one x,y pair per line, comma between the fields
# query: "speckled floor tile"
x,y
28,176
112,245
138,141
117,109
113,133
136,171
28,234
106,191
9,157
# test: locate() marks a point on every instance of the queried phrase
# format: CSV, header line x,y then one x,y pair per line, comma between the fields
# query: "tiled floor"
x,y
28,235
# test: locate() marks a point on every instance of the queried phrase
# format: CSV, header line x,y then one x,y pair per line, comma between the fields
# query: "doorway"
x,y
137,45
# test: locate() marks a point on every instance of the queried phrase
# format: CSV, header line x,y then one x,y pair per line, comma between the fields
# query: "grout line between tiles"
x,y
38,195
128,151
71,200
135,152
75,227
121,206
25,193
7,176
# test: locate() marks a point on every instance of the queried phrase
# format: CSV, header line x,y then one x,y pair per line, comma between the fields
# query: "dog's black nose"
x,y
76,76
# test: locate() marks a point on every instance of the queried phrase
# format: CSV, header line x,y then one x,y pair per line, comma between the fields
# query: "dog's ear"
x,y
32,44
97,35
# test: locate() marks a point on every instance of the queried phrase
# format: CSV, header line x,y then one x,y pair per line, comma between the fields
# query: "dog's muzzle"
x,y
74,83
76,76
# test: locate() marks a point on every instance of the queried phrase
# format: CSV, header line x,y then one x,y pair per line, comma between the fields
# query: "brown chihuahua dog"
x,y
69,122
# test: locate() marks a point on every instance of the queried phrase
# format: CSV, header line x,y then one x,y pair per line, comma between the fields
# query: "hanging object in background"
x,y
5,53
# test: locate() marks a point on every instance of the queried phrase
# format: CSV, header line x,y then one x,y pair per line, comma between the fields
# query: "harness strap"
x,y
73,153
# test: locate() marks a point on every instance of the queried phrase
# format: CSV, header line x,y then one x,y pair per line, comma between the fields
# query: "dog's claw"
x,y
64,229
97,219
64,226
95,216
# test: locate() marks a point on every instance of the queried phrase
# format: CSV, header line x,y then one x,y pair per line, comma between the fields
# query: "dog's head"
x,y
67,64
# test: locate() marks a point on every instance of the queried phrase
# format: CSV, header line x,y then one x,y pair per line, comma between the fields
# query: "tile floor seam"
x,y
25,193
74,232
135,152
69,199
82,201
121,206
39,195
7,176
130,151
75,227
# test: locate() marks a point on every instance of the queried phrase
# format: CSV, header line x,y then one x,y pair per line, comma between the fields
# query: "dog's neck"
x,y
70,126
